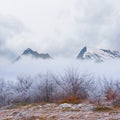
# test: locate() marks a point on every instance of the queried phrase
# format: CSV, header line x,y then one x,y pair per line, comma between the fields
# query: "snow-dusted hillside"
x,y
98,55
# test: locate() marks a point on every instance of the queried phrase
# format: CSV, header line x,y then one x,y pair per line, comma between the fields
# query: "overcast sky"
x,y
58,27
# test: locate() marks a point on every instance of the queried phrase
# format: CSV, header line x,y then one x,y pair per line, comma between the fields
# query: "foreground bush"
x,y
74,84
116,102
70,87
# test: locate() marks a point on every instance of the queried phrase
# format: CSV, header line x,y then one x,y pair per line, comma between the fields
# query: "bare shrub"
x,y
106,90
6,92
2,92
22,89
110,90
117,85
97,93
45,88
69,87
116,102
74,84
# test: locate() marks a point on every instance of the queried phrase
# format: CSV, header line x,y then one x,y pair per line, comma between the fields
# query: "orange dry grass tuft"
x,y
70,99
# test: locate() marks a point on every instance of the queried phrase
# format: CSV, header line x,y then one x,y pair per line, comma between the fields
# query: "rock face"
x,y
98,55
82,52
34,54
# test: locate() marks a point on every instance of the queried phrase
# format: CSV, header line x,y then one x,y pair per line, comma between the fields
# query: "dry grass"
x,y
63,111
71,99
102,109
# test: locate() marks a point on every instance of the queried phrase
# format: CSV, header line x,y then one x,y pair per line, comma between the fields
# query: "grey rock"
x,y
34,54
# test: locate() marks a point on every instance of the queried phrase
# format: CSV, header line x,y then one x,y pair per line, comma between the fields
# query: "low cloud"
x,y
10,27
29,66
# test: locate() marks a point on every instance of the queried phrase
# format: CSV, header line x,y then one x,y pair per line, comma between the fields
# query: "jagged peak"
x,y
28,51
81,54
34,54
84,48
97,54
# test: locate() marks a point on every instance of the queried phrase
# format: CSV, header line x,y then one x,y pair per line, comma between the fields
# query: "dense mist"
x,y
31,66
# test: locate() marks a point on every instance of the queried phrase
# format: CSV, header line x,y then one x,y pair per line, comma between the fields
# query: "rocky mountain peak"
x,y
98,55
34,54
82,52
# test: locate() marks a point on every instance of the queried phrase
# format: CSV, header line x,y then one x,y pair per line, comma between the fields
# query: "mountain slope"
x,y
29,52
98,55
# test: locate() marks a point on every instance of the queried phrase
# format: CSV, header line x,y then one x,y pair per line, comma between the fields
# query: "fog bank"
x,y
29,66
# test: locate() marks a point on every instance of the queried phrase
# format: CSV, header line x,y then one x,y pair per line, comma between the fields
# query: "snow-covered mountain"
x,y
29,52
98,55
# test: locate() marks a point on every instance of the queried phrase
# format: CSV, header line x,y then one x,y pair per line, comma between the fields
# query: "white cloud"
x,y
62,27
9,29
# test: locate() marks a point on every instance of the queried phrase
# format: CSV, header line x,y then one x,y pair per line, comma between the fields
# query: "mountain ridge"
x,y
34,54
98,55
